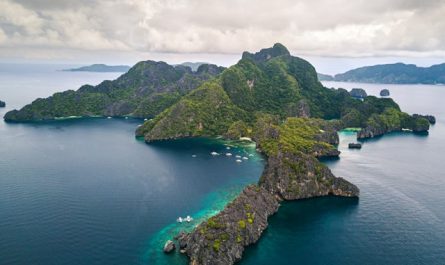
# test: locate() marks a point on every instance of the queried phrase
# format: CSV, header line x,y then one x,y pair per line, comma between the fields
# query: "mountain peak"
x,y
278,49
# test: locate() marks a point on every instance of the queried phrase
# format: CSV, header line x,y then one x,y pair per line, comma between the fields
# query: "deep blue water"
x,y
87,192
400,216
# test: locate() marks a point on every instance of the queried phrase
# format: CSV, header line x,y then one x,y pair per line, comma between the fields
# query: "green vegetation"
x,y
293,136
242,224
394,120
397,73
257,97
216,245
144,91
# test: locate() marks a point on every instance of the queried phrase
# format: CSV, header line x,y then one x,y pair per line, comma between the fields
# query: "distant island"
x,y
100,68
398,73
193,65
2,104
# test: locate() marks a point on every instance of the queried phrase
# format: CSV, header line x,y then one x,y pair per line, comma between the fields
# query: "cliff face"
x,y
392,120
299,176
221,239
292,172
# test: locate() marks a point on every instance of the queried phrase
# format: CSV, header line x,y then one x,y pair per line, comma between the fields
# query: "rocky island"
x,y
384,93
271,97
396,73
103,68
2,104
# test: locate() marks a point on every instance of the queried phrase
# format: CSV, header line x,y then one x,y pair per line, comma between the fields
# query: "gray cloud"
x,y
39,28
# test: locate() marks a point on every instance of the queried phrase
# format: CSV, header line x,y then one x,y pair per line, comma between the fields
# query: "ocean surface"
x,y
87,192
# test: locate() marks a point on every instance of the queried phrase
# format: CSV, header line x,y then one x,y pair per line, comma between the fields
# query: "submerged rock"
x,y
358,93
169,246
2,104
384,93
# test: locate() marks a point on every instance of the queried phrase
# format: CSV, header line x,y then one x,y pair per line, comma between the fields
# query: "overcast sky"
x,y
333,34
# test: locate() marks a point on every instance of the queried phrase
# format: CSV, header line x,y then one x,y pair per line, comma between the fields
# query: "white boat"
x,y
250,154
238,156
228,154
188,219
214,153
179,220
145,119
109,117
239,160
193,155
245,158
228,148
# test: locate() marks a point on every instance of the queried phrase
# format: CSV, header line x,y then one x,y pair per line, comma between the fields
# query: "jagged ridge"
x,y
144,91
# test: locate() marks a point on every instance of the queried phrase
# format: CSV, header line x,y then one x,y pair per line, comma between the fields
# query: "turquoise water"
x,y
87,192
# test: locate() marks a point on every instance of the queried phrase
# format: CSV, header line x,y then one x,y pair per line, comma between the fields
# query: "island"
x,y
384,93
2,104
269,96
397,73
359,93
324,77
100,68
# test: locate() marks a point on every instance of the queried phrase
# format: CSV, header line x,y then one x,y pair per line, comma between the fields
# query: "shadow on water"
x,y
290,229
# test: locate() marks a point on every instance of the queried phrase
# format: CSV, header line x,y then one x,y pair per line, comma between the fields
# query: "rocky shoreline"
x,y
379,126
288,175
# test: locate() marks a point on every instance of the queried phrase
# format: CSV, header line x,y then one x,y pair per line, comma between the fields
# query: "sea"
x,y
86,191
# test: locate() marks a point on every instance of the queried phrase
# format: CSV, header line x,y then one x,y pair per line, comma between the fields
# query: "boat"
x,y
238,156
239,160
214,153
193,155
179,220
228,154
108,117
188,219
228,147
245,158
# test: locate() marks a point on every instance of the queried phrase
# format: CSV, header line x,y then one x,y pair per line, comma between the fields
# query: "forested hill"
x,y
397,73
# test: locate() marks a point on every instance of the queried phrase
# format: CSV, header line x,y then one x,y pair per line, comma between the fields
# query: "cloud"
x,y
313,28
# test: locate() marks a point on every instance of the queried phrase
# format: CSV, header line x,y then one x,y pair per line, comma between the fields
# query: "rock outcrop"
x,y
292,172
2,104
169,246
431,119
384,93
299,176
392,120
358,93
221,239
354,145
